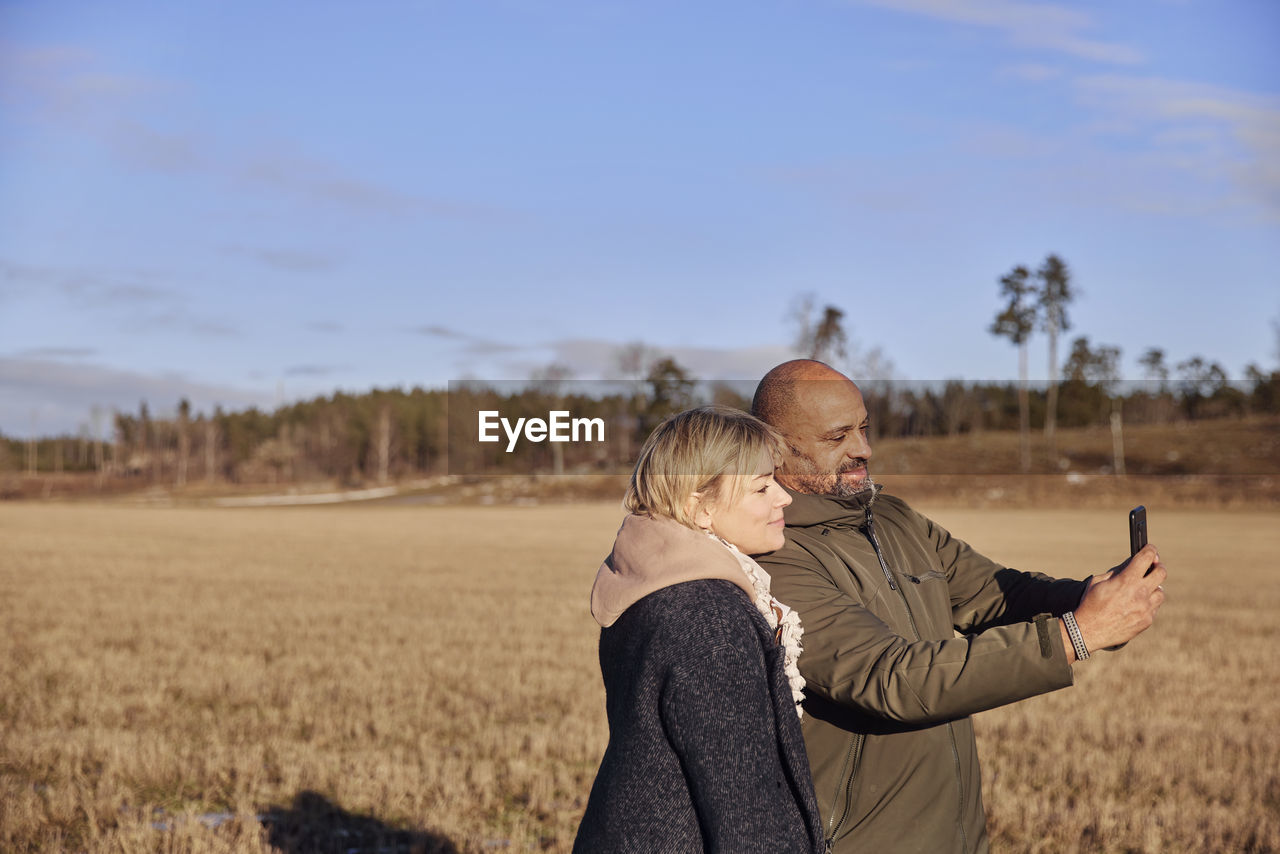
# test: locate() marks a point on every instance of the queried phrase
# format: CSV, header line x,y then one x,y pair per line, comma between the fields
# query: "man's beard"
x,y
813,483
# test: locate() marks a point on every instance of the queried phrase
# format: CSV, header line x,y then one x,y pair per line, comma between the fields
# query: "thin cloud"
x,y
1032,72
134,294
1045,26
308,178
143,146
85,287
67,86
288,260
128,300
327,327
53,396
56,353
1210,130
177,320
595,358
314,370
436,331
62,81
471,345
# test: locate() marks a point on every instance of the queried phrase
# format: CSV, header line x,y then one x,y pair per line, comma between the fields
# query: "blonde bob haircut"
x,y
692,451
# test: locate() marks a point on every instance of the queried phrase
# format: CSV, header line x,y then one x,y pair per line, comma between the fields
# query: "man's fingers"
x,y
1138,565
1156,575
1157,599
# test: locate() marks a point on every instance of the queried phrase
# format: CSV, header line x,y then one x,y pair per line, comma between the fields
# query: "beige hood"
x,y
652,553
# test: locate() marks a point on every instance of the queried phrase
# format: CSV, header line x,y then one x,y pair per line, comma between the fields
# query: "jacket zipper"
x,y
847,773
875,544
955,750
955,754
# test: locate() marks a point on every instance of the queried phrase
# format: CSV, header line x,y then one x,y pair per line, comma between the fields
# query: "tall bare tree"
x,y
184,439
671,388
210,449
551,381
821,336
1275,331
1054,293
99,458
384,443
1199,381
1100,366
145,434
1016,323
1154,369
1153,366
32,465
633,361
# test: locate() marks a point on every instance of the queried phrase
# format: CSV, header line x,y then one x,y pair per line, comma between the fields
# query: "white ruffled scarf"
x,y
783,620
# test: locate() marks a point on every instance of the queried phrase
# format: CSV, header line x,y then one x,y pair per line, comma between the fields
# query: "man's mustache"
x,y
851,465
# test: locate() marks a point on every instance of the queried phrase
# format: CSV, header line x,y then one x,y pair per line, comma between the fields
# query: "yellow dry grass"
x,y
425,679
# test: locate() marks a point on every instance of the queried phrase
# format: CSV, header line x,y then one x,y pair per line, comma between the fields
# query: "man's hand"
x,y
1122,604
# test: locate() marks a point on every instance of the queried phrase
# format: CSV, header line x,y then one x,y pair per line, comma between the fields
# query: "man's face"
x,y
827,438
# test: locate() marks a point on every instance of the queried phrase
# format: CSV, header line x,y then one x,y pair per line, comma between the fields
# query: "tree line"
x,y
1038,302
395,435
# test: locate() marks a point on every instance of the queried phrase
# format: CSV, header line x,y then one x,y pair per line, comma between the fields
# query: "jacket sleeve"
x,y
718,713
854,659
985,594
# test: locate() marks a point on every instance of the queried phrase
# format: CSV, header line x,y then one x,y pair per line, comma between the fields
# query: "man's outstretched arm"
x,y
853,658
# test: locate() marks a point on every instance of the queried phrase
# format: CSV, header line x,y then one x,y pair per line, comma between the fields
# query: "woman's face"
x,y
752,520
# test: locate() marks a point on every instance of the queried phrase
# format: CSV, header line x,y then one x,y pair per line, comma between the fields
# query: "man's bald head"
x,y
779,393
821,414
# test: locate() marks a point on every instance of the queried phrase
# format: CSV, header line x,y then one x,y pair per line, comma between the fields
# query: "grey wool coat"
x,y
705,751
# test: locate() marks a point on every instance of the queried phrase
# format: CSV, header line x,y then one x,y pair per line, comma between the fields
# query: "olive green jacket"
x,y
889,685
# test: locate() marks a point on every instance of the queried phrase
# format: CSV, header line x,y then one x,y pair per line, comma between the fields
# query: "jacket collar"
x,y
651,553
808,510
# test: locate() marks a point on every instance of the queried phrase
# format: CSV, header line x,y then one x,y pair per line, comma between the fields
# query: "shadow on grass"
x,y
315,824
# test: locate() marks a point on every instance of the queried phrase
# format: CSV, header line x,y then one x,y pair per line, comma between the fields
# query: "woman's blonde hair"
x,y
692,451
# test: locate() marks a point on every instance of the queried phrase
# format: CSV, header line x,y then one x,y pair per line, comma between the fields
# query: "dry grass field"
x,y
424,679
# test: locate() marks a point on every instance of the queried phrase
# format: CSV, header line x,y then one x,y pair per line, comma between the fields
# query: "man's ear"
x,y
697,510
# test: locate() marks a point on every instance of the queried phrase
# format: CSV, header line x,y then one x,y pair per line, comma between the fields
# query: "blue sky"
x,y
244,203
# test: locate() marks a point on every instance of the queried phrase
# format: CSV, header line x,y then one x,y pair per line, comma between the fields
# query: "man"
x,y
881,592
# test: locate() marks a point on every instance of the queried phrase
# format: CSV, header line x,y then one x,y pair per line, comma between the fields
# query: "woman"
x,y
702,691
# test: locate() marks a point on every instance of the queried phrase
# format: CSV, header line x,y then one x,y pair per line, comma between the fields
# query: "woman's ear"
x,y
697,511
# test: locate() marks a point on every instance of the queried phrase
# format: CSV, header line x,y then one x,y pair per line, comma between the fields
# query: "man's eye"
x,y
839,438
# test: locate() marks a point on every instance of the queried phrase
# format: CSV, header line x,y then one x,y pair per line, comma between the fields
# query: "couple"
x,y
700,648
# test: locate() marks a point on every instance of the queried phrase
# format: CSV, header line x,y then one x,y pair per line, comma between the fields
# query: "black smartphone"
x,y
1137,539
1137,529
